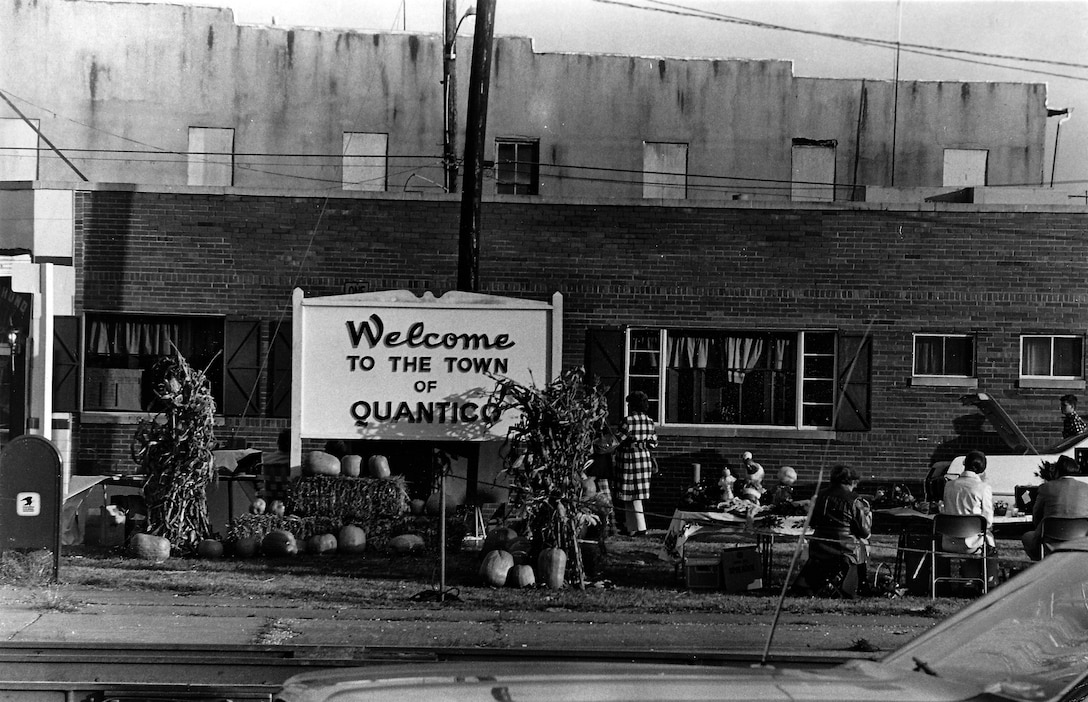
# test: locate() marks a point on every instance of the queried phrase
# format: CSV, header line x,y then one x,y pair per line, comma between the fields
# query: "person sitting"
x,y
842,522
781,495
969,494
1064,496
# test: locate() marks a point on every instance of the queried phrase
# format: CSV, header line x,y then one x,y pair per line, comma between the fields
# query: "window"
x,y
121,349
944,355
517,166
18,150
366,160
964,167
211,156
785,379
664,170
813,170
1051,356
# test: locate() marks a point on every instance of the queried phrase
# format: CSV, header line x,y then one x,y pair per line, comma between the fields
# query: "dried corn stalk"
x,y
174,451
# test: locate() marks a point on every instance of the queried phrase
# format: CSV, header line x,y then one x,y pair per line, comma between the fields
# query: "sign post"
x,y
30,496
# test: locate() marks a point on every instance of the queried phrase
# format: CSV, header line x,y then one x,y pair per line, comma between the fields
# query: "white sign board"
x,y
391,365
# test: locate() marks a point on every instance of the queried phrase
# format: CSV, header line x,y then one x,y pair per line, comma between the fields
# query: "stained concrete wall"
x,y
130,79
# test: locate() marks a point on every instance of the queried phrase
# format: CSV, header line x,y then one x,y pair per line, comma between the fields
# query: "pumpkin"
x,y
499,539
258,506
552,567
149,547
209,548
246,547
433,505
406,543
277,508
321,543
351,465
320,463
279,542
522,576
496,567
351,539
418,506
378,466
519,548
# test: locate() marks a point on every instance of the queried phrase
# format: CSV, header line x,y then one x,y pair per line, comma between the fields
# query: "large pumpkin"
x,y
496,567
499,539
351,539
321,543
149,548
351,465
522,576
406,543
246,547
378,466
320,463
209,548
279,542
519,548
551,566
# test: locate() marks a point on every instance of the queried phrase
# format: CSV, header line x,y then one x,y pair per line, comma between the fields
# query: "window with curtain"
x,y
1051,356
734,377
121,349
944,355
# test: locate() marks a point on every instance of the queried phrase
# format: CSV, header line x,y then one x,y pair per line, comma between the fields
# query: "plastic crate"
x,y
702,573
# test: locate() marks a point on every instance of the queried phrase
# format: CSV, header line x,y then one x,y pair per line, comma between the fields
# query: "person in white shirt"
x,y
966,495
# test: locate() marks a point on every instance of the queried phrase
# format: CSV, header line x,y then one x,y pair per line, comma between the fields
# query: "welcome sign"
x,y
391,365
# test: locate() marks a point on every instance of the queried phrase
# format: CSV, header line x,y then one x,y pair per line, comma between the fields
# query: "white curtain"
x,y
688,351
741,356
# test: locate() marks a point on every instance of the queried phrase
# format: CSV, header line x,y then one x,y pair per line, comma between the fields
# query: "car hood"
x,y
1004,425
560,680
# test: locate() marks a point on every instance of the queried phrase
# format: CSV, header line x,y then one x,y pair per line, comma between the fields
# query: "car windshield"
x,y
1029,642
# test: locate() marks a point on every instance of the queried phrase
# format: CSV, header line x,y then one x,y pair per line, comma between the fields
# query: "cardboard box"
x,y
702,573
741,569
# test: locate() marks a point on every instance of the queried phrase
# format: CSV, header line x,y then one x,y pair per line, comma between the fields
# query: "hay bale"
x,y
373,504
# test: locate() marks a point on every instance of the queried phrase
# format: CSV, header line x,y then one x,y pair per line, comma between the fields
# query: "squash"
x,y
496,567
351,465
277,508
418,506
209,548
258,506
499,538
246,547
320,463
279,542
406,543
321,543
378,466
522,576
551,566
148,547
351,539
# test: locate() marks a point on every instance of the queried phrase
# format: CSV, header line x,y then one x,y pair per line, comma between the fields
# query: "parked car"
x,y
1007,472
1025,640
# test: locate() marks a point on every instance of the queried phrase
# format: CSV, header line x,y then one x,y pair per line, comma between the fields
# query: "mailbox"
x,y
30,495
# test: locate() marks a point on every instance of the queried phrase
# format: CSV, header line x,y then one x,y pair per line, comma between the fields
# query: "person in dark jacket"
x,y
839,546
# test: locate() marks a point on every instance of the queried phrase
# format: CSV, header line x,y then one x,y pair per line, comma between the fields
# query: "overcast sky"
x,y
1049,33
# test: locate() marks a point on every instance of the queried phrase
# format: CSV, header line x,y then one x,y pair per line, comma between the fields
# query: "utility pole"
x,y
468,243
449,88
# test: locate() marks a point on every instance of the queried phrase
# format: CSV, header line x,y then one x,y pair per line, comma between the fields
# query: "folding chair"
x,y
1054,530
961,527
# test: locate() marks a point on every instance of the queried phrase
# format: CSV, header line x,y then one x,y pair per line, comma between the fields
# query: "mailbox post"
x,y
30,496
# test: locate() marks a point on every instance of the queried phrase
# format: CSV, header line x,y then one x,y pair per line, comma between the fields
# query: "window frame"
x,y
970,337
1051,377
503,167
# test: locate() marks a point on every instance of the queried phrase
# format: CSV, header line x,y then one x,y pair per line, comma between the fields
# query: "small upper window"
x,y
944,355
1051,356
517,166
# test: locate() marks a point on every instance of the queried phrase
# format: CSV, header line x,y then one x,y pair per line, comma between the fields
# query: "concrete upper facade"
x,y
119,87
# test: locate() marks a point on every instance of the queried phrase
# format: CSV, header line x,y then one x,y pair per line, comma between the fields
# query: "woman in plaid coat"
x,y
638,437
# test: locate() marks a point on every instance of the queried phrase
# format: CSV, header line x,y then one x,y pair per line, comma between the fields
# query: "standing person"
x,y
1064,496
839,548
638,437
1072,424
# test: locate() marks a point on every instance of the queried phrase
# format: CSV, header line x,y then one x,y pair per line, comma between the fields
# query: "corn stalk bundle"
x,y
374,504
174,451
547,448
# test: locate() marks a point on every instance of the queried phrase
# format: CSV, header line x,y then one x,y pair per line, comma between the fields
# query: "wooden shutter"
x,y
241,366
855,356
66,364
604,364
279,372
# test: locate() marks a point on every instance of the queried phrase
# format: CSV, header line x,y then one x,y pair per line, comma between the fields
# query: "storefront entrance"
x,y
14,323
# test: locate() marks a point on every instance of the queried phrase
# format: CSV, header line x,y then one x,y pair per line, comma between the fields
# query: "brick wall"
x,y
993,272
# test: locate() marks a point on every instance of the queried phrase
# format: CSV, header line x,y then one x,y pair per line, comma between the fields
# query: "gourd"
x,y
552,567
279,542
258,506
351,539
321,543
246,547
149,547
522,576
321,463
378,467
496,567
209,548
351,465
